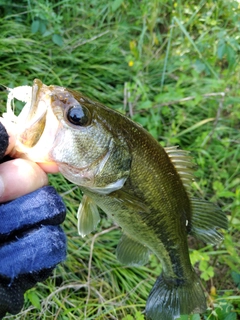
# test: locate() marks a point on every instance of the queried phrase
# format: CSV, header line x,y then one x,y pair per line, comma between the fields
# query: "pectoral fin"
x,y
131,252
130,201
88,216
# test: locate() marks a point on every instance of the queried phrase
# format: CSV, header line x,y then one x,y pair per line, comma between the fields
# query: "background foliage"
x,y
172,66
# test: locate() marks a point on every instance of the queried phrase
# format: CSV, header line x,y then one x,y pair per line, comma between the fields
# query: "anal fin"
x,y
206,217
88,216
131,252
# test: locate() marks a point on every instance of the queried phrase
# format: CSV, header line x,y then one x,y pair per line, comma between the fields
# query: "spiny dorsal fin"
x,y
88,216
183,163
131,252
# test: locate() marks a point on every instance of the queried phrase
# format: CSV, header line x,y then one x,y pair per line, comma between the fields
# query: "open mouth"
x,y
36,126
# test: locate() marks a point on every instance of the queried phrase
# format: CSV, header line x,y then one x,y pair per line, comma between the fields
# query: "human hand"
x,y
19,176
31,241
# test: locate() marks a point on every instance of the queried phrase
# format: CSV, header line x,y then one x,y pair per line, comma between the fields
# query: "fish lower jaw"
x,y
80,176
85,177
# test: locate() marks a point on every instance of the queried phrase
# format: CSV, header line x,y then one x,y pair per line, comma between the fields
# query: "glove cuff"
x,y
12,291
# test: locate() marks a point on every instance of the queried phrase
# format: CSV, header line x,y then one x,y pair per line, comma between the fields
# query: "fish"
x,y
124,171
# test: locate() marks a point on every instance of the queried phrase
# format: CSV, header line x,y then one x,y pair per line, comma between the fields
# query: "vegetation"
x,y
172,66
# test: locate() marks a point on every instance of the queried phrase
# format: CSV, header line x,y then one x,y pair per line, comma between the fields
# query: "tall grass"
x,y
172,66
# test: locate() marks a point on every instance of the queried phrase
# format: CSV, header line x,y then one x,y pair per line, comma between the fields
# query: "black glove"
x,y
31,242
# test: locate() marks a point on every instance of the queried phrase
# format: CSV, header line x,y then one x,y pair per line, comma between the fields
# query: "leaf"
x,y
42,26
195,317
231,316
218,186
236,278
199,66
116,4
47,33
34,299
203,265
230,55
226,194
128,317
139,316
35,26
144,105
57,39
221,50
225,312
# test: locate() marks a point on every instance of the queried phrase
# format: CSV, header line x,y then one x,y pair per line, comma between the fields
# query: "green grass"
x,y
174,68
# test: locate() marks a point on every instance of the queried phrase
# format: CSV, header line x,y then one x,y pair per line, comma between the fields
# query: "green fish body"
x,y
143,187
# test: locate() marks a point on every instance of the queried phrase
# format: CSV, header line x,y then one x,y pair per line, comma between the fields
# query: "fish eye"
x,y
79,116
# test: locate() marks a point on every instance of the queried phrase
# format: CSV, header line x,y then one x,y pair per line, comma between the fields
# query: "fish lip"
x,y
35,118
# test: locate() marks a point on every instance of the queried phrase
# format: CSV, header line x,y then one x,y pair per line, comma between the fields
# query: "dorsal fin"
x,y
183,163
206,219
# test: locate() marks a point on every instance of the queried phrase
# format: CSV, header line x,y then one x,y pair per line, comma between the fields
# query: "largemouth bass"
x,y
124,171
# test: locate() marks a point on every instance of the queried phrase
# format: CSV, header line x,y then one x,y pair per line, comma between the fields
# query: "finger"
x,y
49,167
19,177
41,207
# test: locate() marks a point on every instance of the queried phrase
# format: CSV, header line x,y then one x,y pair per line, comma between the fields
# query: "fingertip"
x,y
49,167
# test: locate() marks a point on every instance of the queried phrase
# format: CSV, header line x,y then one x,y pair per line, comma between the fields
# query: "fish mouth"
x,y
34,116
37,125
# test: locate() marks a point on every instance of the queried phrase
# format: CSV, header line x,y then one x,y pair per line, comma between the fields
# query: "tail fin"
x,y
168,300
